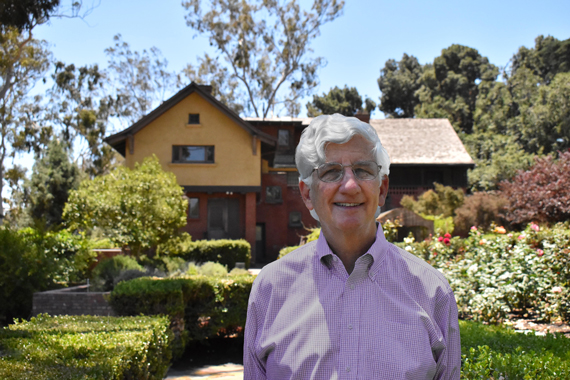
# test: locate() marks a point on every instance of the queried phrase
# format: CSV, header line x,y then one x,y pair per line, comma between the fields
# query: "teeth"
x,y
348,204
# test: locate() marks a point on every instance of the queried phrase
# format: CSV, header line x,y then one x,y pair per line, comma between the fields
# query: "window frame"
x,y
177,150
197,208
193,119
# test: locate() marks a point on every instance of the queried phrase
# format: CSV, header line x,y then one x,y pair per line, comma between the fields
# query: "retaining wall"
x,y
76,300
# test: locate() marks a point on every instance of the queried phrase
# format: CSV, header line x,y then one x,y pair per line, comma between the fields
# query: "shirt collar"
x,y
377,251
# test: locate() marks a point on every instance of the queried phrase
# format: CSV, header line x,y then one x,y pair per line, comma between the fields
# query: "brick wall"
x,y
71,301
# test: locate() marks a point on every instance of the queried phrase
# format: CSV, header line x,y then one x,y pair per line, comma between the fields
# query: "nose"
x,y
349,182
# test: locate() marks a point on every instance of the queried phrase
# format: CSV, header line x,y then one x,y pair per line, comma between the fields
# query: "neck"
x,y
350,245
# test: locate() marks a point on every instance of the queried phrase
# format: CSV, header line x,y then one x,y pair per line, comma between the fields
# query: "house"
x,y
239,173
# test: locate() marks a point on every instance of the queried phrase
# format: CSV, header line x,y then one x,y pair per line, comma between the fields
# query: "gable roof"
x,y
408,141
117,141
421,141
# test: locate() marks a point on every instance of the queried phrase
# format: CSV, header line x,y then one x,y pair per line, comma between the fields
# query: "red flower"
x,y
440,238
447,236
539,252
446,241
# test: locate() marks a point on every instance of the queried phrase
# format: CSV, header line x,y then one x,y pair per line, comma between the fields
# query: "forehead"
x,y
356,149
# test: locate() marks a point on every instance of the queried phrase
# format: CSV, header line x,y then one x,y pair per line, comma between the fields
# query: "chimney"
x,y
365,117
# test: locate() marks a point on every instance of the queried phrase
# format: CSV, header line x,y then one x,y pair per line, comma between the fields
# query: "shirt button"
x,y
350,327
352,286
347,369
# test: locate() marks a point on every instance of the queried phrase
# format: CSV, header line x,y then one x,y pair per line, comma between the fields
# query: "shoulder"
x,y
415,270
288,269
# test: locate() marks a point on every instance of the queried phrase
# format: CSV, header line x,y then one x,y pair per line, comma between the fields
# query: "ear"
x,y
383,191
306,194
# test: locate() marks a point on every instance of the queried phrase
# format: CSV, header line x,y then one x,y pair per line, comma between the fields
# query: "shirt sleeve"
x,y
253,369
449,360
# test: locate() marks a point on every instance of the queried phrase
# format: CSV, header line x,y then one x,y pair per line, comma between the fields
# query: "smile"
x,y
348,204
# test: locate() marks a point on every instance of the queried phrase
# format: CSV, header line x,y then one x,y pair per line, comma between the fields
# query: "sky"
x,y
356,45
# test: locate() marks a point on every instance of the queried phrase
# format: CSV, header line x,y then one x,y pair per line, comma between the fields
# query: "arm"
x,y
253,368
449,360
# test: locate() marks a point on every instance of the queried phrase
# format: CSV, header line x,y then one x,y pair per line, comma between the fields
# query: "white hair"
x,y
338,129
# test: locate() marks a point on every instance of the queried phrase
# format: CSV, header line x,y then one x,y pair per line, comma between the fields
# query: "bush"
x,y
494,352
32,261
225,252
481,209
86,347
204,307
443,201
210,269
109,269
313,235
539,194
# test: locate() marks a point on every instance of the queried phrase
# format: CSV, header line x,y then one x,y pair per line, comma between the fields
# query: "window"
x,y
192,154
194,118
295,219
273,194
293,179
193,208
283,139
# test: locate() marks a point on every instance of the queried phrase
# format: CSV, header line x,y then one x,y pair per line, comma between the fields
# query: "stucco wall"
x,y
235,163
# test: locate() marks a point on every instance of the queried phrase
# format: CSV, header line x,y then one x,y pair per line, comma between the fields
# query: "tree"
x,y
137,208
441,202
399,81
539,194
23,61
549,57
265,46
25,14
53,177
346,101
81,111
141,80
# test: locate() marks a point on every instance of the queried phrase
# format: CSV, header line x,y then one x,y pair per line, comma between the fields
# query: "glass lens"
x,y
366,171
330,172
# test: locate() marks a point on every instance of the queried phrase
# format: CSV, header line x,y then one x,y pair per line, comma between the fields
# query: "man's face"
x,y
350,204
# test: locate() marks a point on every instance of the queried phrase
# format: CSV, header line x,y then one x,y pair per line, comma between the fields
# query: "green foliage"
x,y
495,275
137,208
210,269
107,272
443,201
313,235
480,209
32,261
541,193
73,348
441,225
53,177
494,352
264,45
346,101
399,82
223,251
200,307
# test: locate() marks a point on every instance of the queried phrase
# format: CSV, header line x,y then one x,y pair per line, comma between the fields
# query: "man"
x,y
350,305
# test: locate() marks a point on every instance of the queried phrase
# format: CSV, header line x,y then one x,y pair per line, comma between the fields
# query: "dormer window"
x,y
194,118
283,138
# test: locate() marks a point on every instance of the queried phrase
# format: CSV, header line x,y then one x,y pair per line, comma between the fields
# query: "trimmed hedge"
x,y
495,352
225,252
200,307
86,347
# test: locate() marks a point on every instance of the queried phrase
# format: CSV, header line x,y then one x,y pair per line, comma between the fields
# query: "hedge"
x,y
495,352
225,252
200,307
86,347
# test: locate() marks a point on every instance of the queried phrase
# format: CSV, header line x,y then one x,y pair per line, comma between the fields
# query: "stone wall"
x,y
71,301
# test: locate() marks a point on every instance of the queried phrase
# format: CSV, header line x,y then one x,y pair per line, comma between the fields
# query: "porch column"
x,y
250,222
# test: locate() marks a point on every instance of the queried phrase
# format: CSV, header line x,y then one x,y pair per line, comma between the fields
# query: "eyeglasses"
x,y
334,171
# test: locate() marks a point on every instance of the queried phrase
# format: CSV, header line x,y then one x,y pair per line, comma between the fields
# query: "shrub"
x,y
32,261
495,352
313,235
444,200
109,269
541,193
211,269
86,347
480,209
225,252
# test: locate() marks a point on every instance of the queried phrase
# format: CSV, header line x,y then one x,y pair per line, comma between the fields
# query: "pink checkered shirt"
x,y
393,317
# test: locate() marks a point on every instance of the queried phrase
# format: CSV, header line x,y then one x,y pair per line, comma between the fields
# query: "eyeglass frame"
x,y
347,166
